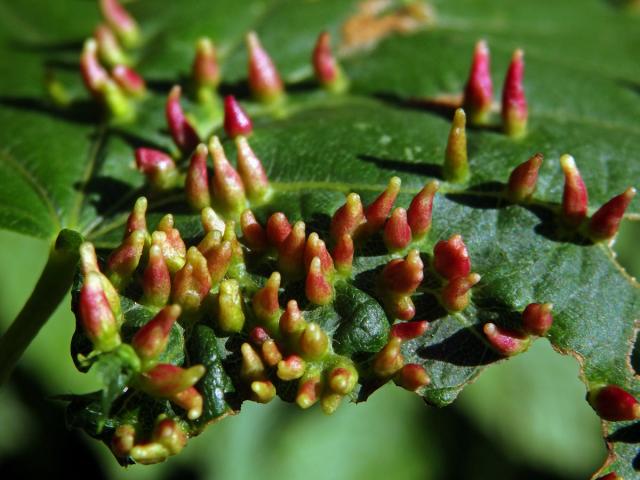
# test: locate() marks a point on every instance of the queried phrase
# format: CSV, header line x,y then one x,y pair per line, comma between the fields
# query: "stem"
x,y
52,286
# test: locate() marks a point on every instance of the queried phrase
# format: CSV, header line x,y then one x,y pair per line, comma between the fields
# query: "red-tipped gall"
x,y
266,305
264,79
278,229
124,260
156,279
409,330
192,282
402,276
317,288
343,254
456,165
251,171
291,251
505,341
327,71
227,186
478,93
236,120
451,258
575,198
605,222
412,377
291,368
96,316
613,403
197,181
455,294
152,338
157,166
514,103
182,132
420,210
316,247
253,235
388,360
121,22
129,80
348,218
205,70
397,232
377,213
523,179
173,247
537,318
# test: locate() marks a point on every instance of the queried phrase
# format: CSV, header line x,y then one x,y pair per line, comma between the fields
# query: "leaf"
x,y
583,95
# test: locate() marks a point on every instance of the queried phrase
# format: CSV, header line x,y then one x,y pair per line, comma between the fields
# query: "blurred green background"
x,y
525,418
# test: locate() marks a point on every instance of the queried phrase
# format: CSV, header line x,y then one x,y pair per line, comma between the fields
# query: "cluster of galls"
x,y
106,67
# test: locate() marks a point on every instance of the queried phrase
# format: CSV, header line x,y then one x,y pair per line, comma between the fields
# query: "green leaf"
x,y
72,168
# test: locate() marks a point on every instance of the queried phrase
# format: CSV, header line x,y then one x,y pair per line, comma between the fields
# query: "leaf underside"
x,y
68,169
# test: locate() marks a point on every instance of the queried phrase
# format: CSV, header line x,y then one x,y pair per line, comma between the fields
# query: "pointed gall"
x,y
109,49
264,79
412,377
537,318
192,282
409,330
218,254
120,22
227,186
451,258
166,380
262,391
291,368
575,198
478,93
173,247
309,391
168,433
505,341
251,171
89,264
348,218
343,379
455,294
230,315
343,254
129,81
329,402
327,71
190,400
291,251
614,404
278,229
314,342
291,322
402,276
157,166
317,289
124,260
151,339
523,179
377,212
605,222
156,280
137,218
456,165
123,440
266,305
252,367
211,221
182,132
93,74
317,248
514,104
420,211
253,235
197,181
205,70
397,233
388,360
271,353
236,120
96,316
